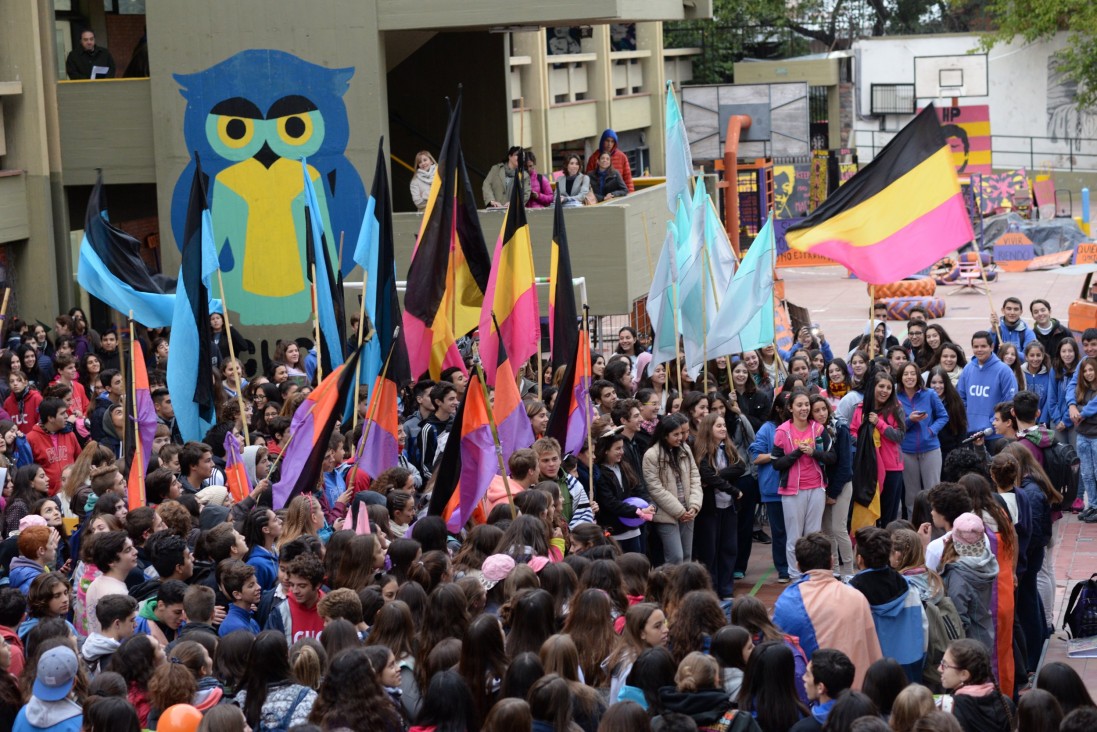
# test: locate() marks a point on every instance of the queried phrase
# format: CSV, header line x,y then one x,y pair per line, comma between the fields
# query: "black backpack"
x,y
1081,614
1061,465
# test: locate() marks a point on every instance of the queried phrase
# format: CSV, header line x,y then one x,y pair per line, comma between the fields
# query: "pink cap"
x,y
968,529
537,563
28,521
495,569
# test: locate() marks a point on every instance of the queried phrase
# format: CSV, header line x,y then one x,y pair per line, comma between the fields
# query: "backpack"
x,y
945,626
1081,614
1061,465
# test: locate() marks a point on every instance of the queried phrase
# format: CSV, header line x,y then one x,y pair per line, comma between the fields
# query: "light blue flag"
x,y
696,303
150,309
365,256
679,162
745,318
661,302
325,305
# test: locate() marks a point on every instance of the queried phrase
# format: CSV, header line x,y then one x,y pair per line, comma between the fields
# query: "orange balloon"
x,y
180,718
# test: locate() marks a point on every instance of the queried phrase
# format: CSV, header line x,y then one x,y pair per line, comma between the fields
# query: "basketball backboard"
x,y
943,77
779,115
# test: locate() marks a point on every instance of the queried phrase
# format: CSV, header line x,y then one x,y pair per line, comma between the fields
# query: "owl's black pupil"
x,y
295,126
236,129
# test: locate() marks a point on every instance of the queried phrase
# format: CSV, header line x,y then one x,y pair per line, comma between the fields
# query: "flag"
x,y
310,429
745,318
190,379
573,412
868,471
510,302
140,426
662,303
563,315
112,270
236,475
679,162
376,256
511,420
468,461
898,215
328,300
450,266
704,280
378,448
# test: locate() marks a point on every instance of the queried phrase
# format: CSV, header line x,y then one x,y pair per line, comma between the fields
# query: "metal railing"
x,y
1009,151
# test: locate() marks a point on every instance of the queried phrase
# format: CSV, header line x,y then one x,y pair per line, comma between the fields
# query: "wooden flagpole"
x,y
232,355
986,289
872,322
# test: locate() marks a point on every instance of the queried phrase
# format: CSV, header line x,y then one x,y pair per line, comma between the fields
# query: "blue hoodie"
x,y
22,573
769,480
1019,334
1043,385
921,436
898,615
981,387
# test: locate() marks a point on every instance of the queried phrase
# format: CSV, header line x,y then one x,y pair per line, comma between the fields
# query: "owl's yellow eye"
x,y
295,129
235,132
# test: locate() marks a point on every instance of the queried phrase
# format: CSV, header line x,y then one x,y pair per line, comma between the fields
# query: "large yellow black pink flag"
x,y
450,267
899,214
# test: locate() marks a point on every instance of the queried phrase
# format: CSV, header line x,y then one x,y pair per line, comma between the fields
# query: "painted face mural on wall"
x,y
251,119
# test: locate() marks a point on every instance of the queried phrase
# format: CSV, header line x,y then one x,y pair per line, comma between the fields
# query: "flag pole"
x,y
872,321
372,403
232,355
316,328
589,409
133,401
4,310
704,318
990,300
495,433
677,345
361,339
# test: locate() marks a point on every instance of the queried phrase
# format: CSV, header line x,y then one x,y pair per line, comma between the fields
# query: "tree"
x,y
1034,20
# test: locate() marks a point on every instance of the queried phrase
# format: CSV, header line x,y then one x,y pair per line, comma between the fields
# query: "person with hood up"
x,y
499,180
1010,327
1049,331
897,612
619,161
699,694
970,573
974,699
51,706
985,382
114,420
425,168
883,337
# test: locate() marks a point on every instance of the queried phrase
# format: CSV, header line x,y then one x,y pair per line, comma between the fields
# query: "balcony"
x,y
106,124
438,14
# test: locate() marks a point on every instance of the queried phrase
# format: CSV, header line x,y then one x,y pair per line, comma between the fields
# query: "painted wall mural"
x,y
252,118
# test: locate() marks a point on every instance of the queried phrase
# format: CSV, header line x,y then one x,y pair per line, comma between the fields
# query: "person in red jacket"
x,y
618,159
53,447
23,402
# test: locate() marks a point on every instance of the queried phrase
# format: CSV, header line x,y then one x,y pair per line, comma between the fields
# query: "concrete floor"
x,y
841,305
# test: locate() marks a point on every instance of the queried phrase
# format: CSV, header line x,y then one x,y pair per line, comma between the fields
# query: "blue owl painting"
x,y
251,119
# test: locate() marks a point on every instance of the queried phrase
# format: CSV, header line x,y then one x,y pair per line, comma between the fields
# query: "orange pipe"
x,y
736,124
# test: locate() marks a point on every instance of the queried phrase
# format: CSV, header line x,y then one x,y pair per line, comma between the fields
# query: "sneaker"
x,y
738,576
1077,505
761,537
783,579
1088,513
1089,519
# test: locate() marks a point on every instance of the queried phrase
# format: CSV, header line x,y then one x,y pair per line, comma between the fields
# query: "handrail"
x,y
570,58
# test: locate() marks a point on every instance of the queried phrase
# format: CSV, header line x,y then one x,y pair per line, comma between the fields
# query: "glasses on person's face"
x,y
942,666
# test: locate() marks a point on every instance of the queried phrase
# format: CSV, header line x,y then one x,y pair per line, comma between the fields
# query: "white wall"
x,y
1024,101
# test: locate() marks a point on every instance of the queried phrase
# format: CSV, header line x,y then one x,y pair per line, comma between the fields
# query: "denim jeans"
x,y
1087,456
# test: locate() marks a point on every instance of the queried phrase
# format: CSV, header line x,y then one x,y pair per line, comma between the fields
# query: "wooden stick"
x,y
677,346
361,338
990,300
704,320
4,308
316,328
232,356
136,428
872,322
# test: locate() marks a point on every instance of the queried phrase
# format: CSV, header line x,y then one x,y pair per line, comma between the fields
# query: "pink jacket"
x,y
888,451
540,195
783,438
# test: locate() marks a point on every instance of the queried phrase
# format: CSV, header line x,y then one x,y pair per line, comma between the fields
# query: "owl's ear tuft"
x,y
340,80
185,82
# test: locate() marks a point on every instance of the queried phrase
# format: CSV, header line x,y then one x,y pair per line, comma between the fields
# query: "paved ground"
x,y
841,307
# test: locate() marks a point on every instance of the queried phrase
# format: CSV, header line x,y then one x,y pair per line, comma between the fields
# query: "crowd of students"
x,y
600,592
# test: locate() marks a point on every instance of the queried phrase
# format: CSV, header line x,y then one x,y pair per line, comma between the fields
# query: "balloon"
x,y
180,718
639,503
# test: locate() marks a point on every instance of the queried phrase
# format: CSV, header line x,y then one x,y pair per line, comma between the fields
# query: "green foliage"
x,y
1034,20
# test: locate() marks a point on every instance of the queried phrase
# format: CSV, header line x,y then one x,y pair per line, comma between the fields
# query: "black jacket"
x,y
983,713
722,480
79,63
611,495
756,407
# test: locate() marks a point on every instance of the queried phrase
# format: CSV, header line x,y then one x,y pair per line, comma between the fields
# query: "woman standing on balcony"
x,y
606,182
575,185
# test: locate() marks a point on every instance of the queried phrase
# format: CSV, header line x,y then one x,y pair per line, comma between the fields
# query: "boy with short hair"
x,y
342,603
240,584
577,509
163,614
198,606
828,674
297,616
117,616
37,549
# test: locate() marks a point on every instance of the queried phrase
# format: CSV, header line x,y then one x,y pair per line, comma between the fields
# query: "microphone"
x,y
981,433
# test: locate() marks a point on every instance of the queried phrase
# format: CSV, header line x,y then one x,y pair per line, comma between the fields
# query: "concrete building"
x,y
389,64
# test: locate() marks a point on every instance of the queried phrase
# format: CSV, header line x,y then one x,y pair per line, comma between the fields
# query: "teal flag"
x,y
679,162
745,318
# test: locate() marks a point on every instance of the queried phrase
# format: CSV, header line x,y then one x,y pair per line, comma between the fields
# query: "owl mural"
x,y
251,119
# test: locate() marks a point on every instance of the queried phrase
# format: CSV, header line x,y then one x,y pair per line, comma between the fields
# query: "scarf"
x,y
974,690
